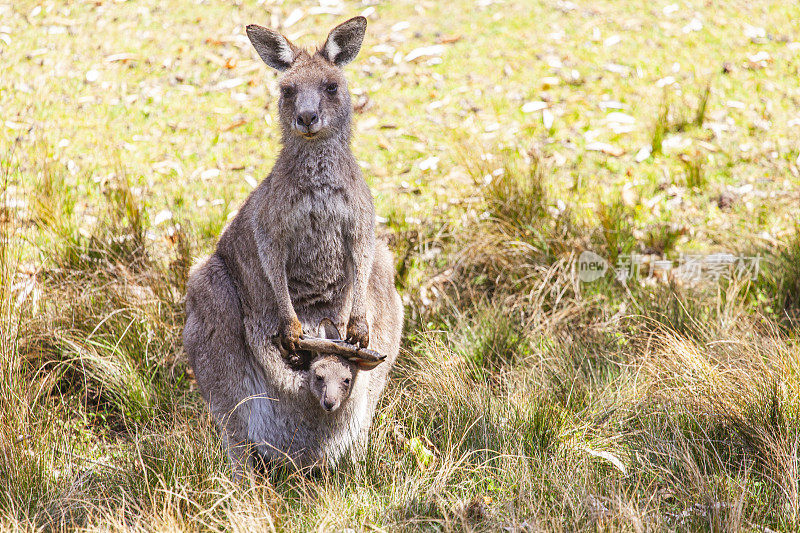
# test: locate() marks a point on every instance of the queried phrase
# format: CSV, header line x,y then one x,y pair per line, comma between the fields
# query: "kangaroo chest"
x,y
318,264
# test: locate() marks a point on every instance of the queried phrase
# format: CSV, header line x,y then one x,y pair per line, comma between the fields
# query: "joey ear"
x,y
274,48
344,41
328,330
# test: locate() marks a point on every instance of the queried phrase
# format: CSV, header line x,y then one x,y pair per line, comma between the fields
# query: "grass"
x,y
524,399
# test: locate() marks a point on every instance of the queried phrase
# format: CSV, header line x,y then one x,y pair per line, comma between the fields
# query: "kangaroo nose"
x,y
307,119
327,404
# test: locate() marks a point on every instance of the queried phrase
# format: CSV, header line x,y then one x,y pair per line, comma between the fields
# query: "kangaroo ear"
x,y
274,48
344,41
327,330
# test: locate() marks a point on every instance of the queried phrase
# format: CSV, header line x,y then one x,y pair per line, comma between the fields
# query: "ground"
x,y
502,140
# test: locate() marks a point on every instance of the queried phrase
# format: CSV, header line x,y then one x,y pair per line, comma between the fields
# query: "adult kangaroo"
x,y
301,251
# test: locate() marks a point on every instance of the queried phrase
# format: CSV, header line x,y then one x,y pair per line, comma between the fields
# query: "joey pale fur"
x,y
301,250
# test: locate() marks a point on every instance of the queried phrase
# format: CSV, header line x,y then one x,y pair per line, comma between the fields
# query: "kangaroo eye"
x,y
331,88
319,379
287,92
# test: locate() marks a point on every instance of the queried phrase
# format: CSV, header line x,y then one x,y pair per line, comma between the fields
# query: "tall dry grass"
x,y
523,400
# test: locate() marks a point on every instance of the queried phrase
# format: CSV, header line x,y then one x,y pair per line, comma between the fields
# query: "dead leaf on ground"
x,y
423,52
122,58
234,125
449,39
606,148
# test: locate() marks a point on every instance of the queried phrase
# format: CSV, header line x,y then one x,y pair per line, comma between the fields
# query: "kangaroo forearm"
x,y
282,299
275,271
280,286
360,296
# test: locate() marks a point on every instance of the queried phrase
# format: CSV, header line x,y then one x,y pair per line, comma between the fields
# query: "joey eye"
x,y
347,381
331,88
287,92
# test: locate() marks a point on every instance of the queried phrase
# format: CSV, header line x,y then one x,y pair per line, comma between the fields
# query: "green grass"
x,y
523,398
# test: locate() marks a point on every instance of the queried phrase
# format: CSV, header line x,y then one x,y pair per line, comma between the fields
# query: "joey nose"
x,y
307,119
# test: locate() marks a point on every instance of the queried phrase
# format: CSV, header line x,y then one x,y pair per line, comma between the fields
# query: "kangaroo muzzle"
x,y
329,404
307,120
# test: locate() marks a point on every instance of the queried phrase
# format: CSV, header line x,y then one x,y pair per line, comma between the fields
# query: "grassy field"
x,y
501,139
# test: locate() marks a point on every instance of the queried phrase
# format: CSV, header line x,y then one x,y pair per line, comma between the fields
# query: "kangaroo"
x,y
300,251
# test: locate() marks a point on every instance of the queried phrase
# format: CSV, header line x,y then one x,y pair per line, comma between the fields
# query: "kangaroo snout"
x,y
306,119
328,404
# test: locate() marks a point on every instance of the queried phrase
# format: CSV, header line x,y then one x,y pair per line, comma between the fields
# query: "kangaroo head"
x,y
314,102
331,377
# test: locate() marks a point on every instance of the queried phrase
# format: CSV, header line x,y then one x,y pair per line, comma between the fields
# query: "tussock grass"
x,y
779,285
111,320
688,392
679,116
695,179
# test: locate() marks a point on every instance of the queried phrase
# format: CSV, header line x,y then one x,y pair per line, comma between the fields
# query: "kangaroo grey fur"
x,y
301,250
